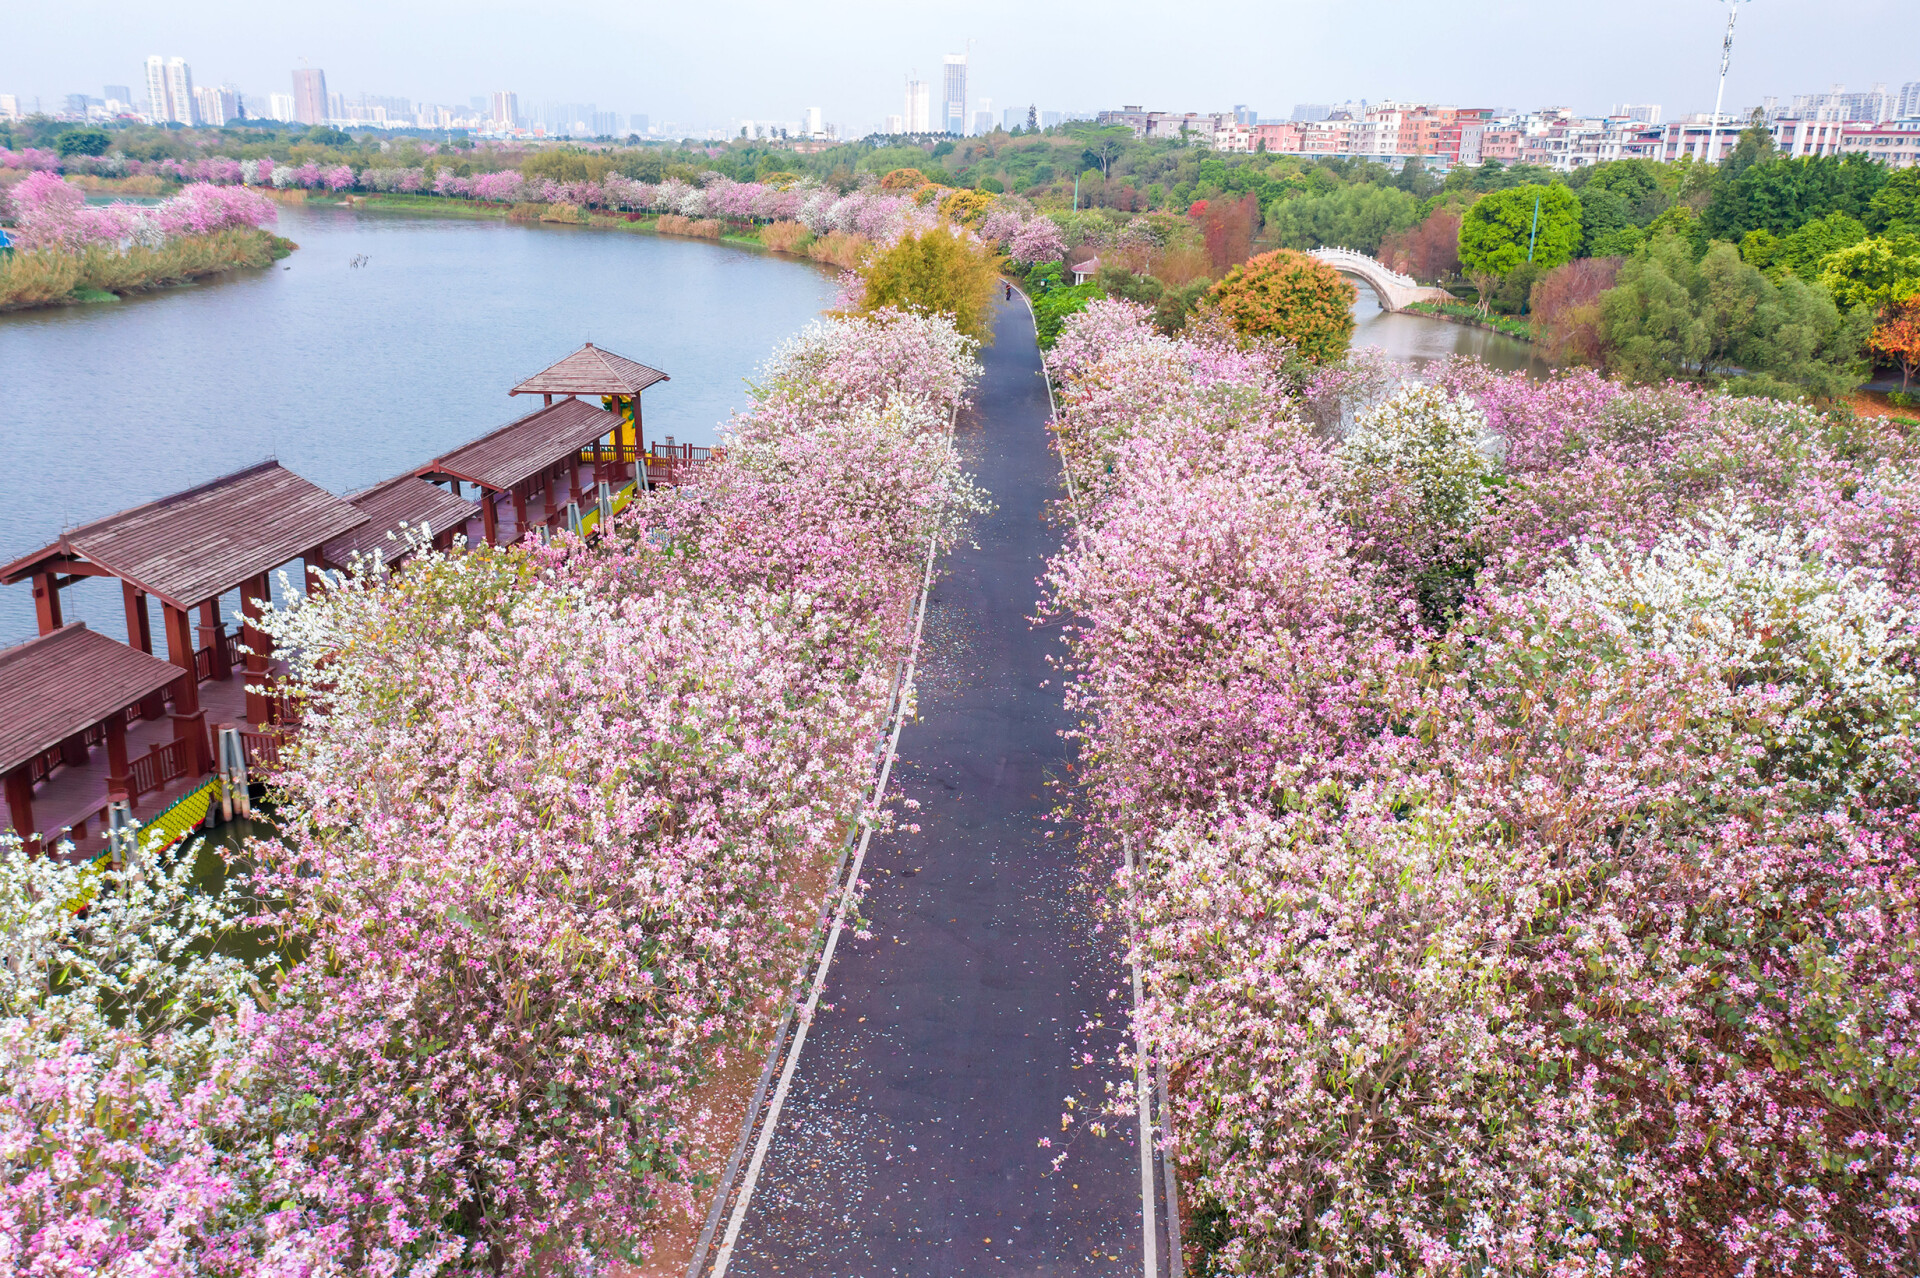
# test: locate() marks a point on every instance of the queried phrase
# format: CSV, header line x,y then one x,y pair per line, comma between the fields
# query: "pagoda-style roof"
x,y
199,544
591,371
404,499
65,682
524,447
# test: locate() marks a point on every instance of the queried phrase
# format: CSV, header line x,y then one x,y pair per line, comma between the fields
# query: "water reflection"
x,y
1421,340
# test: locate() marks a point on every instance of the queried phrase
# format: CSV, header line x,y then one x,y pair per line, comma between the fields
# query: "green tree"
x,y
1647,186
1897,204
1355,217
82,142
1782,194
1754,147
1801,252
1721,321
1289,295
1876,273
937,272
1538,224
1601,212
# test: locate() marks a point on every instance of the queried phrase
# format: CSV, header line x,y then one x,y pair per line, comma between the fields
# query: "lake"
x,y
351,373
388,339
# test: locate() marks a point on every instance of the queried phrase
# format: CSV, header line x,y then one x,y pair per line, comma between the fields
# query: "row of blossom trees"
x,y
1523,784
552,839
50,213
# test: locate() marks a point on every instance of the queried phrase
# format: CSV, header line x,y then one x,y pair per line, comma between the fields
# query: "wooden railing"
x,y
157,767
262,748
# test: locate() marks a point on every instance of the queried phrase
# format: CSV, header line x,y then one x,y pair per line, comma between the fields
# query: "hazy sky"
x,y
710,63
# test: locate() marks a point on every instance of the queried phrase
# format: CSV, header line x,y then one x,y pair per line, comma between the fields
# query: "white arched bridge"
x,y
1393,289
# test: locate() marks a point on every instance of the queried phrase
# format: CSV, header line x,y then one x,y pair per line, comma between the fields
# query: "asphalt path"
x,y
948,1044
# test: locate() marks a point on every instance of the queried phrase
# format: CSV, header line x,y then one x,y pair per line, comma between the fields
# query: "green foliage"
x,y
1517,286
993,185
1292,296
1355,217
1759,247
1052,308
1624,242
1602,212
1801,252
936,272
568,164
1682,223
1647,186
1497,231
1897,203
1719,320
1874,273
82,142
1781,195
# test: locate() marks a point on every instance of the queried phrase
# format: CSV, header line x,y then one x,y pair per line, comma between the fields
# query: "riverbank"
x,y
1464,313
52,277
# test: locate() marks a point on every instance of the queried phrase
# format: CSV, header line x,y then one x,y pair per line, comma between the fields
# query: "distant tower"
x,y
506,109
918,116
310,96
180,92
953,96
1726,56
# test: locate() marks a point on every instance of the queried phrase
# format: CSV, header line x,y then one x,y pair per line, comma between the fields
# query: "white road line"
x,y
1149,1235
767,1128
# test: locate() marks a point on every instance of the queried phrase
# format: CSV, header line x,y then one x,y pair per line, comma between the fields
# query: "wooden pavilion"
x,y
397,510
187,550
544,469
72,702
618,381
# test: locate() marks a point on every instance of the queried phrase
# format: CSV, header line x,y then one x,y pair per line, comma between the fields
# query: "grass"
x,y
1465,313
49,277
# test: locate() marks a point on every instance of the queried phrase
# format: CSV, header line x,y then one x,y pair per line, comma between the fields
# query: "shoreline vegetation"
x,y
1469,316
34,278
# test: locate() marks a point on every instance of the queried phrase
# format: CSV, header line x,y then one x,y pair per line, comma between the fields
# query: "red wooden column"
x,y
252,594
489,519
213,634
46,601
189,720
140,635
520,510
119,772
314,561
20,801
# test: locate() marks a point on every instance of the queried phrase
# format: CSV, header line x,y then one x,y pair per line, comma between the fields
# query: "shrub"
x,y
906,180
938,273
1290,295
785,237
35,277
1566,308
701,228
844,249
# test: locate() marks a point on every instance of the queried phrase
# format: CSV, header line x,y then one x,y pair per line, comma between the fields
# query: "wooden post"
x,y
213,634
315,560
139,620
252,594
520,510
489,519
179,627
119,772
73,751
546,401
20,802
46,601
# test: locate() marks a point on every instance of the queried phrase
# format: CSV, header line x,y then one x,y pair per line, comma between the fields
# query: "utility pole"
x,y
1726,55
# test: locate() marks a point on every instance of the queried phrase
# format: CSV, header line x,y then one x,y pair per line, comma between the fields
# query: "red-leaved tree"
x,y
1566,308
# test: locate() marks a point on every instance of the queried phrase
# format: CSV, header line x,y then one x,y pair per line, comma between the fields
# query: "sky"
x,y
708,65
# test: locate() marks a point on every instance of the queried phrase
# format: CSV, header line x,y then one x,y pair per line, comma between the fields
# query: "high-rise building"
x,y
9,107
1307,113
169,91
1907,106
118,93
505,111
310,95
214,106
918,116
1643,112
953,94
637,123
814,124
280,106
895,124
983,117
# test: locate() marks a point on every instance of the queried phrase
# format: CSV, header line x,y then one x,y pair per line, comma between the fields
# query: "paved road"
x,y
910,1142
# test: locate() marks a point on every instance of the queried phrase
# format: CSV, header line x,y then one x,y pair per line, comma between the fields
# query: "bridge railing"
x,y
1365,263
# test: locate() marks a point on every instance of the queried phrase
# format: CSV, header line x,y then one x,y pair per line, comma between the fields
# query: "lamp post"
x,y
1726,55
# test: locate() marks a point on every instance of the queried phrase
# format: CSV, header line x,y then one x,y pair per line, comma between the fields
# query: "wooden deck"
x,y
73,797
544,503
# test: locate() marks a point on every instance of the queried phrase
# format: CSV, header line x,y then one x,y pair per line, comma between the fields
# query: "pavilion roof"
x,y
195,545
591,371
404,499
65,682
525,446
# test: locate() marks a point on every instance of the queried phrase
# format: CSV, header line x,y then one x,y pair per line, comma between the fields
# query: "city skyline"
x,y
1282,55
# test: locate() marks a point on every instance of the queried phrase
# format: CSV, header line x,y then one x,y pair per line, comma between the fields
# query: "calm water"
x,y
349,374
1420,340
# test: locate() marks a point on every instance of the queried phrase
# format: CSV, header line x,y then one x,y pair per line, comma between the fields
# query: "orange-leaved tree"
x,y
1897,336
1288,294
903,180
